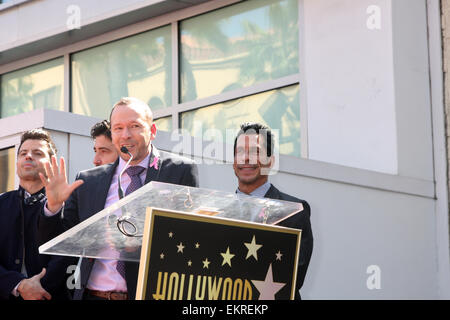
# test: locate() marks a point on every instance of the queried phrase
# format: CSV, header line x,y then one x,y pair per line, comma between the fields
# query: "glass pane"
x,y
164,124
31,88
278,109
7,169
238,46
138,66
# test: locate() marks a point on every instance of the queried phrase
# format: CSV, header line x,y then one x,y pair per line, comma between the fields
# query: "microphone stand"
x,y
124,150
123,220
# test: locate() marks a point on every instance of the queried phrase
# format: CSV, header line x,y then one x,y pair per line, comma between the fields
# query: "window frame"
x,y
175,110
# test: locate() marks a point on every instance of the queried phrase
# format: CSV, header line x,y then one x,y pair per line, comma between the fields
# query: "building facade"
x,y
354,90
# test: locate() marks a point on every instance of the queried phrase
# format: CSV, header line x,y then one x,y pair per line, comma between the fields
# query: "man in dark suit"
x,y
97,188
253,159
24,273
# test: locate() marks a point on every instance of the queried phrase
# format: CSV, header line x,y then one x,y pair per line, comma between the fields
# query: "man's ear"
x,y
272,161
153,131
267,162
266,167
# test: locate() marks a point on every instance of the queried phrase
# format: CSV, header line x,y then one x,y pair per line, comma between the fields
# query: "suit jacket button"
x,y
17,261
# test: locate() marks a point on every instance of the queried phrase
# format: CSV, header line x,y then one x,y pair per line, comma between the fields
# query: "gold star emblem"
x,y
197,245
170,234
227,257
279,255
189,263
206,263
252,249
180,247
161,255
268,288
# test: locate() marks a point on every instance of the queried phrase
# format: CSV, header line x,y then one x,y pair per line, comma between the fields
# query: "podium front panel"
x,y
192,257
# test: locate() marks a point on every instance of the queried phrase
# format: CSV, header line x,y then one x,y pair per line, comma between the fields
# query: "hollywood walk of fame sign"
x,y
198,257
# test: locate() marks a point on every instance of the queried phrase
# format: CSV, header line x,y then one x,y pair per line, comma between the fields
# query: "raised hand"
x,y
31,289
57,189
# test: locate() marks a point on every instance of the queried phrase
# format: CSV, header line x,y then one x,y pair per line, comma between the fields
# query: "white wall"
x,y
355,227
47,18
349,84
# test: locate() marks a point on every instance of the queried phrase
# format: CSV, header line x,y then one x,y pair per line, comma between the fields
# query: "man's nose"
x,y
242,158
125,133
97,161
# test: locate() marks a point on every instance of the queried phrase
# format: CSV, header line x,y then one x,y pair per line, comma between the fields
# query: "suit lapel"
x,y
152,172
272,193
103,184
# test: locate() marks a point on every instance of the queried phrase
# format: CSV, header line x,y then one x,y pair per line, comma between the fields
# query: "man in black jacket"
x,y
97,188
253,159
24,273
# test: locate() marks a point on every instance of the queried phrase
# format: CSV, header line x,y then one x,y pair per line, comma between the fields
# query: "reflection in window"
x,y
238,46
7,169
164,124
278,109
36,87
138,66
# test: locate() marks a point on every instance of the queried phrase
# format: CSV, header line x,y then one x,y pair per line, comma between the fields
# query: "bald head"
x,y
136,104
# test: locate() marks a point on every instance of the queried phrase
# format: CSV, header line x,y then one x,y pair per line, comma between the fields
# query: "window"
x,y
248,50
7,169
36,87
164,124
278,109
138,66
238,46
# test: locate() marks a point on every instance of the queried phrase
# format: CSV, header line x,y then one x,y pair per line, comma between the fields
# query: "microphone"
x,y
124,150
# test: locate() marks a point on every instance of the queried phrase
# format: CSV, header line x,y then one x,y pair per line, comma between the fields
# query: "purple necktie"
x,y
133,172
136,183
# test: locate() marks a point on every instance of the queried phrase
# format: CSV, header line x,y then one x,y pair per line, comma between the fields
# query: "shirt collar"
x,y
259,192
144,163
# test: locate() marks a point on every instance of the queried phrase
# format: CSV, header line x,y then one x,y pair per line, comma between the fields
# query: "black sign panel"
x,y
193,257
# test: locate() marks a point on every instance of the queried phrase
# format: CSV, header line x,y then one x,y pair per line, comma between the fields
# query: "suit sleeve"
x,y
306,244
8,280
302,221
190,175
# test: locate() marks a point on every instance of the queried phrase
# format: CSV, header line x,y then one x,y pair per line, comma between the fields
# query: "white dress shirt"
x,y
104,275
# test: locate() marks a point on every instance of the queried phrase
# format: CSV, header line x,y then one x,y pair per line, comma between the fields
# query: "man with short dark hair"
x,y
253,159
24,272
103,147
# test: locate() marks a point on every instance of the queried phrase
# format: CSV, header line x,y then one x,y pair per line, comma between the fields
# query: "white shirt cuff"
x,y
48,213
15,293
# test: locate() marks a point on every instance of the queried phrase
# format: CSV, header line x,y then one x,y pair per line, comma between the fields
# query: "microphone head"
x,y
124,149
